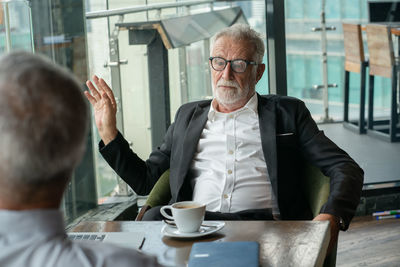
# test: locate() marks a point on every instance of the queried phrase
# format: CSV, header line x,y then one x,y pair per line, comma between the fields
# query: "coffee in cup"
x,y
187,215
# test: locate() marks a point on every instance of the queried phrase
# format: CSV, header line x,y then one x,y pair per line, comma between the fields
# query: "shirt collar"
x,y
252,105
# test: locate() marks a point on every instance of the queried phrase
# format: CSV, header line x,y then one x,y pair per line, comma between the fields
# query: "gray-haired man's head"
x,y
236,66
43,121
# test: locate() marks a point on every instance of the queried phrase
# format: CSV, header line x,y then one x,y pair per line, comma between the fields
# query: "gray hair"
x,y
243,32
43,120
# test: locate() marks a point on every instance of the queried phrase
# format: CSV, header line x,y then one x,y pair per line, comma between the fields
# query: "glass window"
x,y
196,66
98,58
15,26
189,74
55,29
304,55
59,32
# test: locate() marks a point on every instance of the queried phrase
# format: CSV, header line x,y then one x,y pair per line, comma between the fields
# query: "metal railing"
x,y
143,8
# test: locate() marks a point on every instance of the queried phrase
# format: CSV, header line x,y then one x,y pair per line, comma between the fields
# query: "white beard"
x,y
231,96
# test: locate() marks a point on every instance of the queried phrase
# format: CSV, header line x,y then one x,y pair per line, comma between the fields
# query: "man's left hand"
x,y
334,223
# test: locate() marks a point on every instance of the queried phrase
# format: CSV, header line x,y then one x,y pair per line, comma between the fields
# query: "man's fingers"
x,y
108,103
103,91
93,90
106,99
91,99
108,90
96,81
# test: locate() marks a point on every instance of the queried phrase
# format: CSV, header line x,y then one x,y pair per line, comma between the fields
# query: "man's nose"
x,y
227,72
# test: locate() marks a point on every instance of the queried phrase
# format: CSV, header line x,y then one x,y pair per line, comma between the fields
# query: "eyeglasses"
x,y
237,65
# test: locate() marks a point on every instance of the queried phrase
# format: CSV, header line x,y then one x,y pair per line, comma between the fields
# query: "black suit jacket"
x,y
289,137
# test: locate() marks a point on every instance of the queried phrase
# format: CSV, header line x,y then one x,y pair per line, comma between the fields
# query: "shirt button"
x,y
225,195
230,152
229,171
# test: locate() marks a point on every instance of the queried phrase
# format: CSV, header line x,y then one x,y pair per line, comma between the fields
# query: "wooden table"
x,y
282,243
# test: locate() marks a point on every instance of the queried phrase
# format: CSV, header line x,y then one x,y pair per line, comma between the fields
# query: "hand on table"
x,y
334,226
105,108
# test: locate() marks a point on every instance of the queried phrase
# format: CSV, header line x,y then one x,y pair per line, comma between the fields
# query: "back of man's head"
x,y
43,121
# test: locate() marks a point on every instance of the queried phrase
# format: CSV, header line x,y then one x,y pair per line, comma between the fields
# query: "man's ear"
x,y
260,71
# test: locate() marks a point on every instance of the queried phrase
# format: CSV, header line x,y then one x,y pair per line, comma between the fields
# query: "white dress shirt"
x,y
229,169
36,238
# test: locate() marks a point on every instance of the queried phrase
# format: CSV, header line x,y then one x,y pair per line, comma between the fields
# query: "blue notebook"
x,y
221,254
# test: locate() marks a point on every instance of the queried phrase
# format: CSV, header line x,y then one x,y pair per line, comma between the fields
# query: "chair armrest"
x,y
161,192
316,188
142,211
159,195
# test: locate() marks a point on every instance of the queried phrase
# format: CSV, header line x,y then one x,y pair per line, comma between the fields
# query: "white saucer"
x,y
207,228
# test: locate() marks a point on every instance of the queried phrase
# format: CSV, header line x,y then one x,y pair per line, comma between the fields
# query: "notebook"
x,y
124,239
221,254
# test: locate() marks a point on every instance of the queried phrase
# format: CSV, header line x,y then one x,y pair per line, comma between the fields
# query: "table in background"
x,y
282,243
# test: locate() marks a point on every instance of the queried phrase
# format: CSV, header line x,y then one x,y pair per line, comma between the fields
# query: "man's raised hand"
x,y
105,108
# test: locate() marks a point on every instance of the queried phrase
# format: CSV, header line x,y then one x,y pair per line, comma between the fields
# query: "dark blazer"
x,y
289,137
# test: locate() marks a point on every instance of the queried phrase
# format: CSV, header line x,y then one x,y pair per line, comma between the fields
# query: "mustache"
x,y
223,82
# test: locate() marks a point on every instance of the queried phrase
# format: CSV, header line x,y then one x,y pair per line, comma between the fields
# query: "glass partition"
x,y
58,32
15,26
56,29
304,57
189,74
98,59
196,64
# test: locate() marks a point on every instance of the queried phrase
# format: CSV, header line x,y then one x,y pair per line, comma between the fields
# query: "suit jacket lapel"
x,y
267,121
191,139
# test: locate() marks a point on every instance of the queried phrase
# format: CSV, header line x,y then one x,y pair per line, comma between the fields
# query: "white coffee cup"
x,y
188,215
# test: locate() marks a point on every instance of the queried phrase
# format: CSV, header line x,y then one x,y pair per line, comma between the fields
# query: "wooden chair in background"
x,y
354,62
382,63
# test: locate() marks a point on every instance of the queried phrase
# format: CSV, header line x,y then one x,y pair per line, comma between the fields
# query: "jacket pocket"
x,y
286,140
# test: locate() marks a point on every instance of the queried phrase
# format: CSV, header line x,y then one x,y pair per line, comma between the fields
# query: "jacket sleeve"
x,y
346,177
140,175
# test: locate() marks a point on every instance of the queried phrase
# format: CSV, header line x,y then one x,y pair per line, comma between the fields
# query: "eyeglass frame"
x,y
230,61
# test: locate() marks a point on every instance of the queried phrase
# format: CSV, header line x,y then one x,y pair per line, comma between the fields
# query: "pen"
x,y
388,212
397,216
141,245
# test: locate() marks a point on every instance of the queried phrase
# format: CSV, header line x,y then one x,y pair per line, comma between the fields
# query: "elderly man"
x,y
43,128
241,153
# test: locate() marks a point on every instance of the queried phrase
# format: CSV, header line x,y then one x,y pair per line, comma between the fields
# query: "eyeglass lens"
x,y
237,65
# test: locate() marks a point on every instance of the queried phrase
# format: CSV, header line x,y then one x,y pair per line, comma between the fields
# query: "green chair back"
x,y
159,195
161,192
316,189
